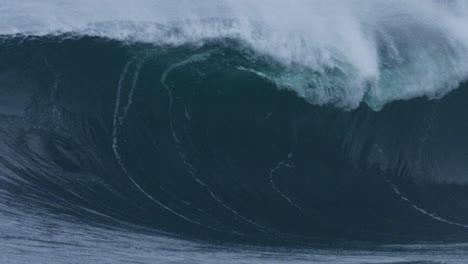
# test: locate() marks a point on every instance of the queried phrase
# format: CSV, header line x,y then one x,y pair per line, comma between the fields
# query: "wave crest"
x,y
340,53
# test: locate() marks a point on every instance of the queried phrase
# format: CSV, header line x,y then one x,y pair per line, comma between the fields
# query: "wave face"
x,y
190,140
239,120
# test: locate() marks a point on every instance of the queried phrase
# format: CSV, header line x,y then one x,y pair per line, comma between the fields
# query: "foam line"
x,y
421,210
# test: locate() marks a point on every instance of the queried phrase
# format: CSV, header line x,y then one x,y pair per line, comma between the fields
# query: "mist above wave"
x,y
330,52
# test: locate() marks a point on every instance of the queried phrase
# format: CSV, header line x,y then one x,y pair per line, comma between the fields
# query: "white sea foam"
x,y
332,52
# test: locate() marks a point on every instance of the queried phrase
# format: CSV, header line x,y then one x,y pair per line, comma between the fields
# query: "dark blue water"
x,y
138,153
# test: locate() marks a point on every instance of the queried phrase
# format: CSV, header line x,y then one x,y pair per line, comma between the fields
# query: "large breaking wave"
x,y
239,119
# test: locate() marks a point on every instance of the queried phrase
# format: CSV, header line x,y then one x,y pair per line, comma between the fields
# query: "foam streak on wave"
x,y
118,122
421,210
275,187
181,152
